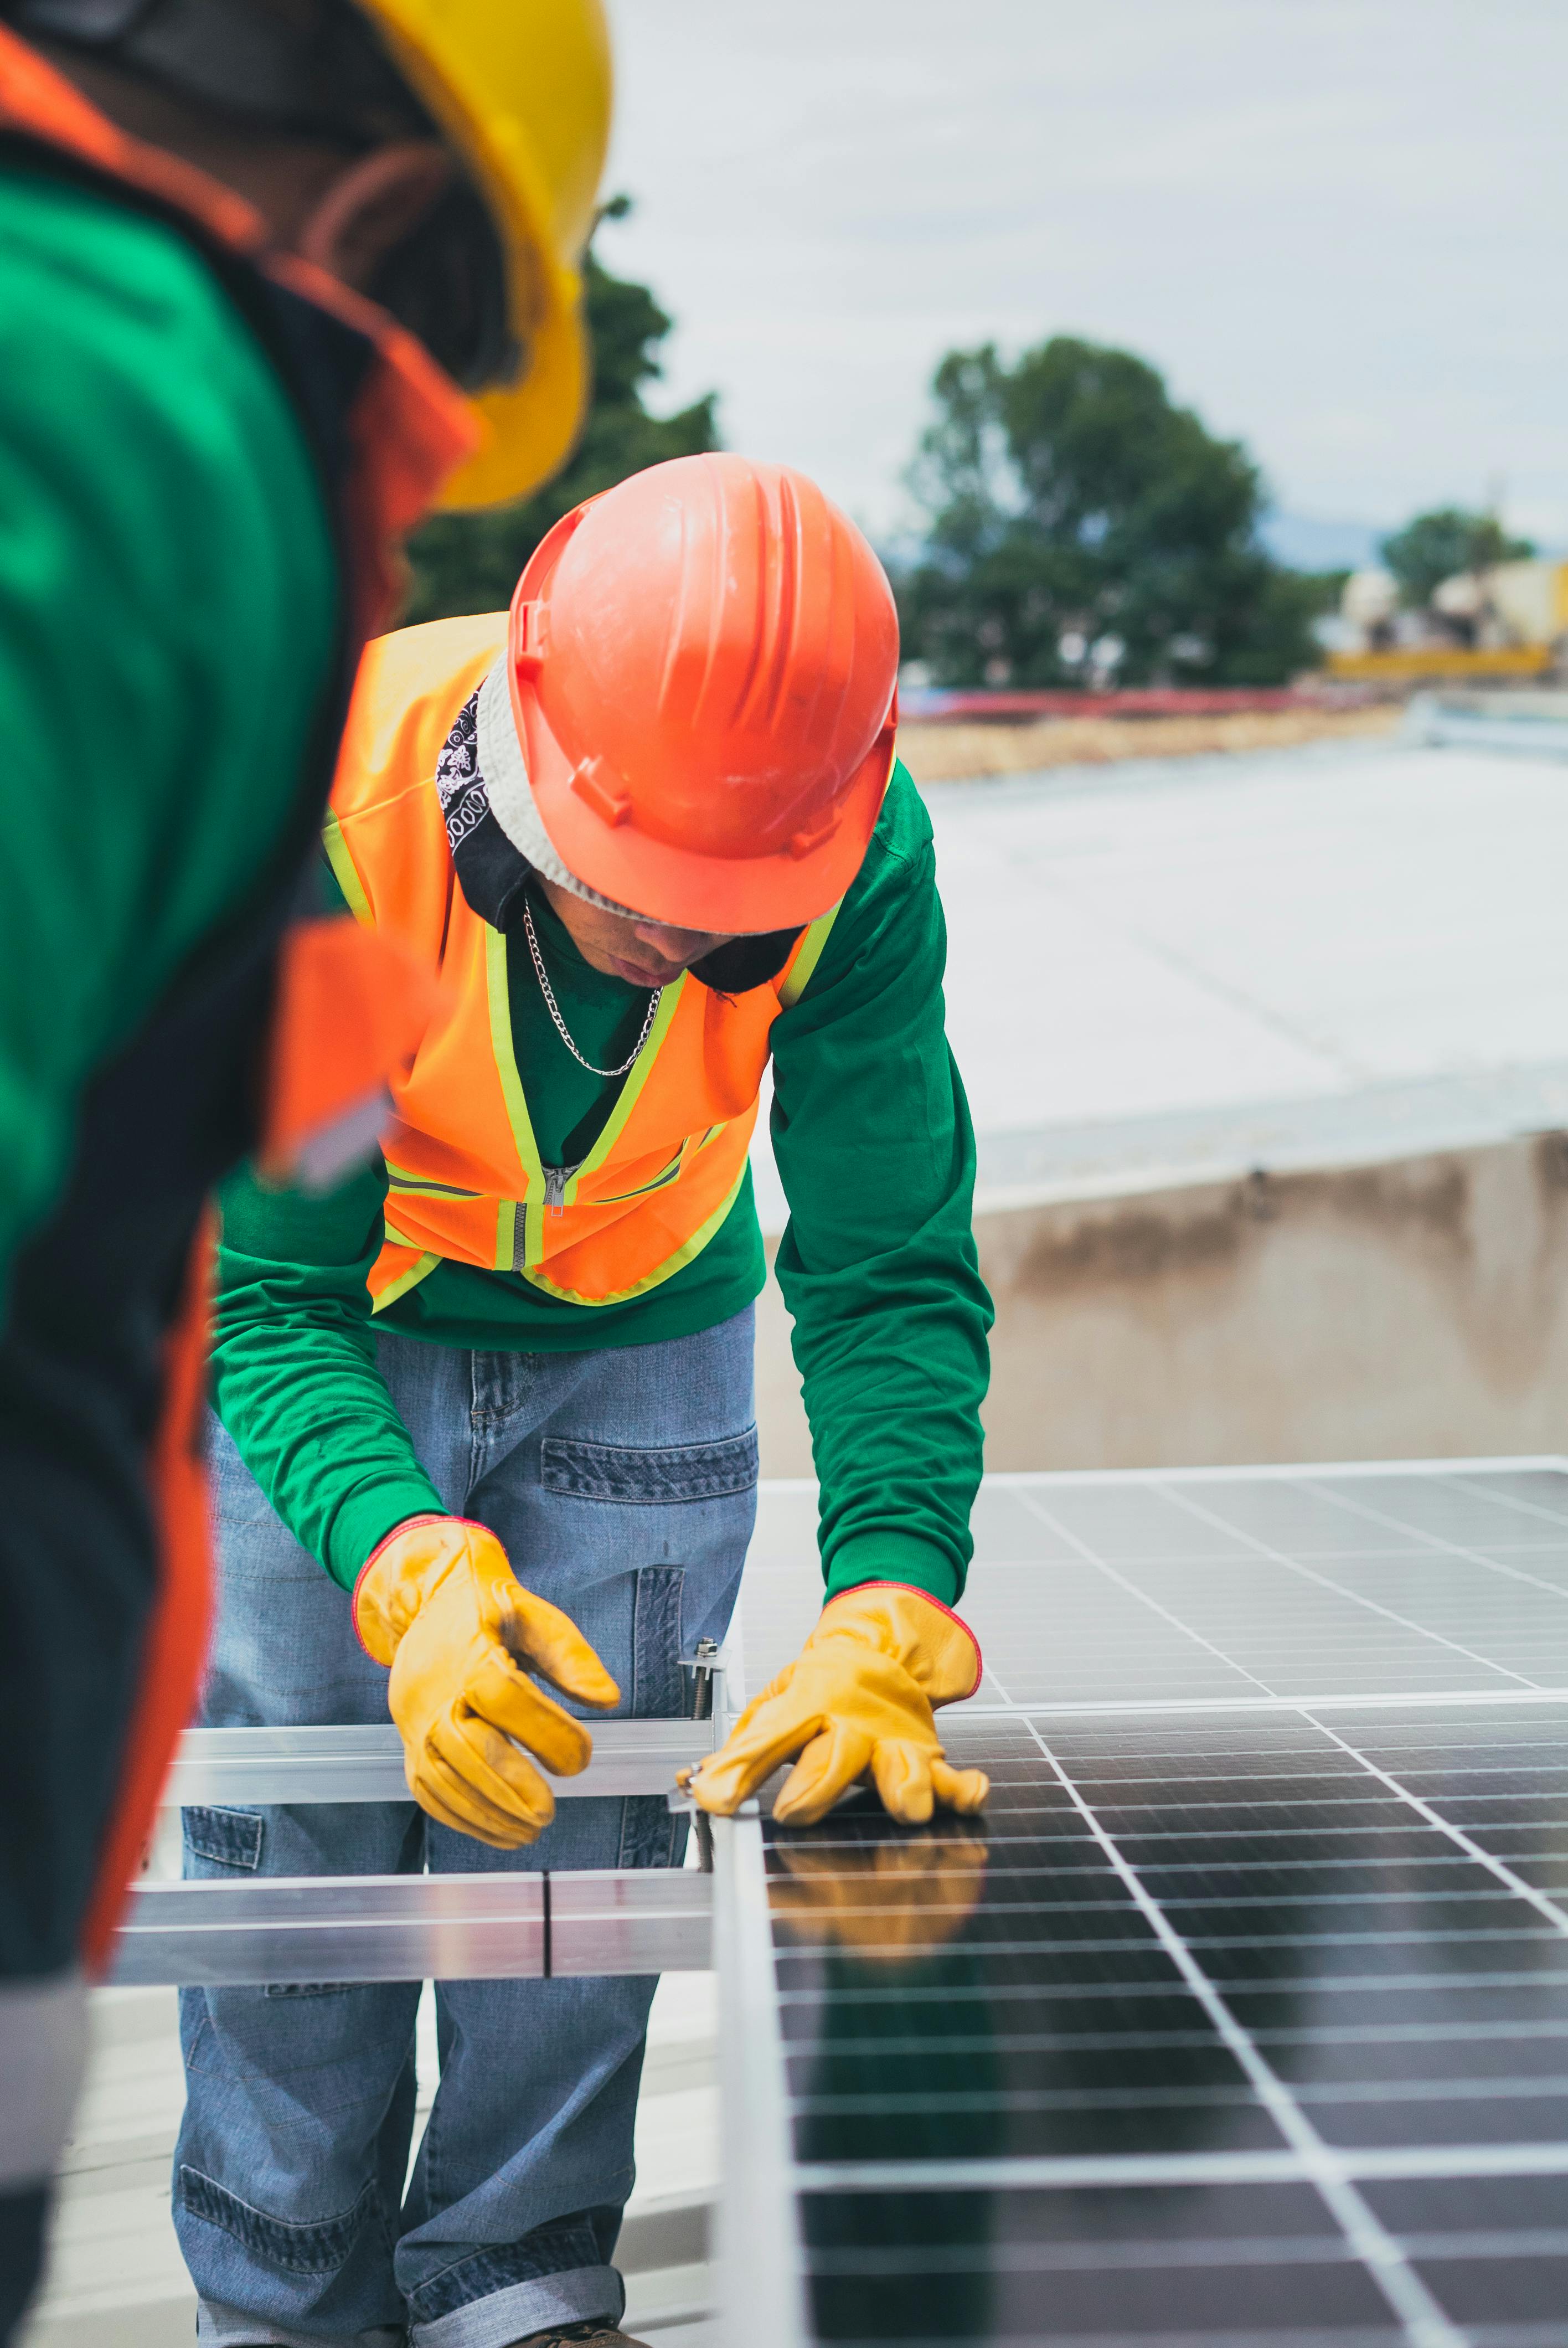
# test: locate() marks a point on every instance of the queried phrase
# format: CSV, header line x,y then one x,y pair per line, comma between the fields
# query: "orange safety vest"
x,y
466,1182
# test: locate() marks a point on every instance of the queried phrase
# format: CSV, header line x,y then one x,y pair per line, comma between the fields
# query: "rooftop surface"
x,y
1198,965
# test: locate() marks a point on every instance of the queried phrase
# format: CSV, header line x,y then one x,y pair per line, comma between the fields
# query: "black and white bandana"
x,y
490,872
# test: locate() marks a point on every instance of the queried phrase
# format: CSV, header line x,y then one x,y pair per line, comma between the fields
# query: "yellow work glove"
x,y
438,1600
858,1696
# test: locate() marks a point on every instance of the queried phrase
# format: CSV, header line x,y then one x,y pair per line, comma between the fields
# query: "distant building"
x,y
1508,621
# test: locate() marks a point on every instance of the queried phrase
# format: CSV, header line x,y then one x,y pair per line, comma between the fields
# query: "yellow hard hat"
x,y
522,88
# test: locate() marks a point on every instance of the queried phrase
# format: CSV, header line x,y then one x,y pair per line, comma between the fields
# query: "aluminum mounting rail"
x,y
239,1766
339,1928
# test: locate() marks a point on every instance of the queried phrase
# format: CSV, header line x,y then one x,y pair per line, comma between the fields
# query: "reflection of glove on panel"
x,y
858,1696
888,1900
438,1601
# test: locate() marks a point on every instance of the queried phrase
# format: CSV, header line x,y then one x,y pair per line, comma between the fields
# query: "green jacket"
x,y
150,465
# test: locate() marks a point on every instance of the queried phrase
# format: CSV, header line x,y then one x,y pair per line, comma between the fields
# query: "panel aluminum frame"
x,y
310,1929
521,1925
242,1766
314,1929
631,1920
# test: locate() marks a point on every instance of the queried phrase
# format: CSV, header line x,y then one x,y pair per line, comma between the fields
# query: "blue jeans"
x,y
622,1483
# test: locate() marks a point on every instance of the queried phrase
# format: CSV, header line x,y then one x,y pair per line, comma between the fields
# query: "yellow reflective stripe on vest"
x,y
801,971
660,1182
405,1280
518,1117
346,872
415,1186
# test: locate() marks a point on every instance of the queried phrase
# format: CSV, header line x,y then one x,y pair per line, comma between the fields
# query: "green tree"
x,y
470,562
1434,546
1073,505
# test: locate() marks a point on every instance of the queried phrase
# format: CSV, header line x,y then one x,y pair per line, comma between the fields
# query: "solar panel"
x,y
1243,2016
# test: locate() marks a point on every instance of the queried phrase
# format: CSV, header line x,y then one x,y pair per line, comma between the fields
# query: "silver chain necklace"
x,y
562,1030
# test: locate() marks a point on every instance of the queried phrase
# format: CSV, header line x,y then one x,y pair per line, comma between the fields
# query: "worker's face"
x,y
624,945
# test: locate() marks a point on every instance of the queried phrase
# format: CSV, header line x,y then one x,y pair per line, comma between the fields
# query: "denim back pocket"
x,y
224,1837
649,1476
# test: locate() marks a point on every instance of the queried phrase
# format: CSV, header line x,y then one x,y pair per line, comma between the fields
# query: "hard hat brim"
x,y
732,895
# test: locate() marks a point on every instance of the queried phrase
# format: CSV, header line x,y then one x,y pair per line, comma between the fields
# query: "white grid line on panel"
x,y
1456,2090
1240,1944
1327,1581
1549,1463
988,1561
1072,2172
1315,2033
1334,1985
1540,1780
1440,1541
1512,2336
1525,1463
1335,2093
1161,2255
1425,2325
1276,1867
1406,1699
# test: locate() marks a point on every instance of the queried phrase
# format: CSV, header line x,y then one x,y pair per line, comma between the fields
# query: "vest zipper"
x,y
556,1179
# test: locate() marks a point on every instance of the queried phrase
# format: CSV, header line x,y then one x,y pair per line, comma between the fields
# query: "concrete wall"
x,y
1404,1310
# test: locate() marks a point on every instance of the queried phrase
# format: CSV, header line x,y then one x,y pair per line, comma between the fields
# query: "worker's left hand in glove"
x,y
859,1697
438,1600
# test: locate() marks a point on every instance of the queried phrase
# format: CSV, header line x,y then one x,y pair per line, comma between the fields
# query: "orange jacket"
x,y
465,1181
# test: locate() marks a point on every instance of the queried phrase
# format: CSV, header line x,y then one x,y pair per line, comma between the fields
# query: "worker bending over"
x,y
211,443
648,834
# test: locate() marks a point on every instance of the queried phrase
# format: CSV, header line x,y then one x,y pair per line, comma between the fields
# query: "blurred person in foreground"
x,y
223,223
649,835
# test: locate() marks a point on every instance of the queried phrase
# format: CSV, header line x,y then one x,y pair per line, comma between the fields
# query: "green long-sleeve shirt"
x,y
877,1265
168,593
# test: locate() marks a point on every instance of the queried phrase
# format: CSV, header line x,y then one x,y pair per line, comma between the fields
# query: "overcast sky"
x,y
1338,225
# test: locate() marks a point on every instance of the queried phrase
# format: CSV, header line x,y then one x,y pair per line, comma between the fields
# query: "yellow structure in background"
x,y
1411,663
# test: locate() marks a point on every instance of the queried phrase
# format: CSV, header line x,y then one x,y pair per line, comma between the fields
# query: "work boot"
x,y
595,2333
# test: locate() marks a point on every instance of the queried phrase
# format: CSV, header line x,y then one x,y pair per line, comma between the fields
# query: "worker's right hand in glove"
x,y
438,1600
858,1698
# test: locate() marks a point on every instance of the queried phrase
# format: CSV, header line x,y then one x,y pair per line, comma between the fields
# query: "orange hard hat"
x,y
703,662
